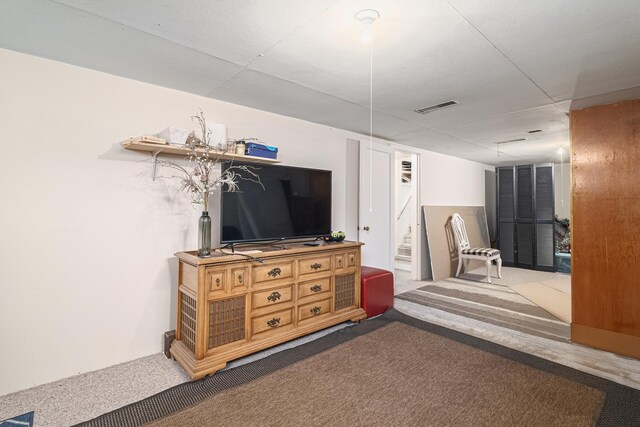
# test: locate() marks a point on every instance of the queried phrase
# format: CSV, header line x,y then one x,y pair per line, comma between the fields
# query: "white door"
x,y
375,222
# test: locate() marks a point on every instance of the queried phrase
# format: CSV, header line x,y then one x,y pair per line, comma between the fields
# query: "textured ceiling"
x,y
512,65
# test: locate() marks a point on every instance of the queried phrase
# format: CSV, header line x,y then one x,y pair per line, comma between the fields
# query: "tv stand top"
x,y
261,251
229,251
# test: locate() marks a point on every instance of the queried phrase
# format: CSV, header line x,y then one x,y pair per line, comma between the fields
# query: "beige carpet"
x,y
552,295
402,376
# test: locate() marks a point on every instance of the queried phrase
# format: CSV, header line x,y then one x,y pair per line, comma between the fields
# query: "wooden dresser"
x,y
230,306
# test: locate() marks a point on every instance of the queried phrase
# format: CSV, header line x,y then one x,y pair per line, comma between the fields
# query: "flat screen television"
x,y
294,203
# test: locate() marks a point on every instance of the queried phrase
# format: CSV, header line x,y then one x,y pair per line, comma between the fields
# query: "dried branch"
x,y
197,180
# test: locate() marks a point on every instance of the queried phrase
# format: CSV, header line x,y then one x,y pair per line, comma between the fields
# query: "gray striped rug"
x,y
494,304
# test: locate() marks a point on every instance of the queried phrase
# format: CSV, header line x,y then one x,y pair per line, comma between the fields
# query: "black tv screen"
x,y
294,203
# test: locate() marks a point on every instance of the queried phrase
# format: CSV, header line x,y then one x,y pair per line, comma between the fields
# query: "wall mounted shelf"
x,y
137,144
180,150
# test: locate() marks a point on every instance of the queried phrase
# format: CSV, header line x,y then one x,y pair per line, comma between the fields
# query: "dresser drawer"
x,y
215,281
314,287
314,309
271,321
340,262
239,279
314,265
351,259
271,297
272,271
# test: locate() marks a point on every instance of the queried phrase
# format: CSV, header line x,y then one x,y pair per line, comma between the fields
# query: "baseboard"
x,y
402,263
615,342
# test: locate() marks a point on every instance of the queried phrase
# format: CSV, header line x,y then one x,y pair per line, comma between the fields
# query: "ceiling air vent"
x,y
510,140
427,110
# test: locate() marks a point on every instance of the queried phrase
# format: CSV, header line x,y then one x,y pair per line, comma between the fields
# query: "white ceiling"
x,y
512,65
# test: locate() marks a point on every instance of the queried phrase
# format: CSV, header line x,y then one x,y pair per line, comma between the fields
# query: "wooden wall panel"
x,y
605,165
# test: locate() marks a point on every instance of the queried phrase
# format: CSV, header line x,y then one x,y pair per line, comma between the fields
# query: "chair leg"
x,y
459,265
499,261
489,271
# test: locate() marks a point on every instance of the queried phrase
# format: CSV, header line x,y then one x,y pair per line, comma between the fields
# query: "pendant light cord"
x,y
371,122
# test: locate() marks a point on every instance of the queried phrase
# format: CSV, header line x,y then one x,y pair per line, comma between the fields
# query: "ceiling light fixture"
x,y
426,110
510,140
367,17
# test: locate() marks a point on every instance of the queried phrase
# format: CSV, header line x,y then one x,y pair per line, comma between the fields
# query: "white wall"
x,y
87,238
88,277
562,189
447,181
450,181
352,184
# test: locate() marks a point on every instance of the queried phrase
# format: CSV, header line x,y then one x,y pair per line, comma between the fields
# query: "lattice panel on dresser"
x,y
188,322
226,321
345,291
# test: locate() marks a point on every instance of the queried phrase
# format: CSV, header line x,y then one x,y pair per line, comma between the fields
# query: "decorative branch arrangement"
x,y
199,179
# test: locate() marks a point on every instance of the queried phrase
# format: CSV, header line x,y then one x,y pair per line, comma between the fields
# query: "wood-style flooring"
x,y
514,322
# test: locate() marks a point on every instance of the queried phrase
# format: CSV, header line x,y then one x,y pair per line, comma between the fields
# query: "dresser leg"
x,y
358,319
210,371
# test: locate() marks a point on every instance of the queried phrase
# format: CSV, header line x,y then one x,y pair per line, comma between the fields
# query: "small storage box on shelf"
x,y
231,306
261,150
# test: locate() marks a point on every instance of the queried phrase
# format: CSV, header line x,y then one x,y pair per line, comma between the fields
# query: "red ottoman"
x,y
377,290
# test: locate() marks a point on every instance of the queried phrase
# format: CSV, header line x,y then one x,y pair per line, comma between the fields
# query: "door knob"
x,y
365,228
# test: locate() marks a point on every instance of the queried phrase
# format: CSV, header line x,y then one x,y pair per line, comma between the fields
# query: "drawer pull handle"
x,y
273,322
316,266
315,288
217,281
316,310
339,262
275,272
239,278
275,296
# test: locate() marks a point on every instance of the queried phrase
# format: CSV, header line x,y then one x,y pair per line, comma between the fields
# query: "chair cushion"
x,y
481,251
